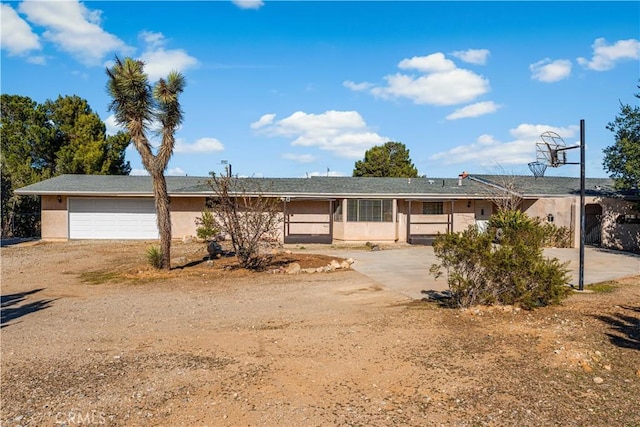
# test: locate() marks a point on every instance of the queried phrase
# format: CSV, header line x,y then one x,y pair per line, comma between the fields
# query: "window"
x,y
628,219
432,208
369,210
337,211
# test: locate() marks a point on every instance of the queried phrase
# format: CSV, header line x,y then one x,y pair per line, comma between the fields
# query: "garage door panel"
x,y
94,218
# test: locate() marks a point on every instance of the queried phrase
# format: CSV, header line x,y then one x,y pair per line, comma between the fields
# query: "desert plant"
x,y
154,256
206,228
509,269
251,218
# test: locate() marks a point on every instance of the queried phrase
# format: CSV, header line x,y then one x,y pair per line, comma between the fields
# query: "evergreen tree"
x,y
622,159
388,160
39,141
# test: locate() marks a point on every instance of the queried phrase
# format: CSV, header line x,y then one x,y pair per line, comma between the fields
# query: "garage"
x,y
112,218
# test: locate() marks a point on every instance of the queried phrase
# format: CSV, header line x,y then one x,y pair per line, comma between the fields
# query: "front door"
x,y
483,211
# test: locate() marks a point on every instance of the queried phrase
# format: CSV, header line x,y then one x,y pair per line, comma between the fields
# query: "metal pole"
x,y
582,210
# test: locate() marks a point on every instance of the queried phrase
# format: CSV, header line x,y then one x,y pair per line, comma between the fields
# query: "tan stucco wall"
x,y
565,211
54,219
184,212
614,235
308,217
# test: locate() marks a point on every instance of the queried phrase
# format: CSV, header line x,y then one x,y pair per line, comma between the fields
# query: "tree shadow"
x,y
14,306
625,328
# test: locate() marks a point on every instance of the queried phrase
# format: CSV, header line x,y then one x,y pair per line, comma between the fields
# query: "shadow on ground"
x,y
14,306
625,327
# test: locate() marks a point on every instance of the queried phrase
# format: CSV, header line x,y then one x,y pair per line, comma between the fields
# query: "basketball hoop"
x,y
538,169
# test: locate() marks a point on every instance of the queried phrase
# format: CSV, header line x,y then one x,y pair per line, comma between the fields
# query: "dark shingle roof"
x,y
472,187
552,185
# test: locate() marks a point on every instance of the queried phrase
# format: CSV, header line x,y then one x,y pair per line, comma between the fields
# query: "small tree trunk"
x,y
163,216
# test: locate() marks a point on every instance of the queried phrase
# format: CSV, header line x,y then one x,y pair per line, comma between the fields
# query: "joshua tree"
x,y
137,106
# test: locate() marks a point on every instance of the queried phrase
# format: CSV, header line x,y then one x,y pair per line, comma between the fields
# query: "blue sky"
x,y
294,89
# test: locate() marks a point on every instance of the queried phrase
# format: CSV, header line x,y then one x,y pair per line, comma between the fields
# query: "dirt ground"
x,y
92,336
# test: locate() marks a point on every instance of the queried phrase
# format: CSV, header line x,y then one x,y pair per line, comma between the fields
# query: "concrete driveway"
x,y
406,270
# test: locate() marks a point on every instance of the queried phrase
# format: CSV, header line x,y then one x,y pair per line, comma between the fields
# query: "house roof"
x,y
322,187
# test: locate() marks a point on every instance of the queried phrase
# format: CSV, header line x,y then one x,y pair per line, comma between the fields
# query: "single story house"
x,y
338,209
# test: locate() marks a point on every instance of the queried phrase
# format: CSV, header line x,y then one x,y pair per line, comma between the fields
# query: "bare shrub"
x,y
242,211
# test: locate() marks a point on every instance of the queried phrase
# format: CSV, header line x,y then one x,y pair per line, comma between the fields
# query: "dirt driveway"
x,y
91,337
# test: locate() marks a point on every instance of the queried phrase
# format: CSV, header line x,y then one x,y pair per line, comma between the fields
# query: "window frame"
x,y
369,210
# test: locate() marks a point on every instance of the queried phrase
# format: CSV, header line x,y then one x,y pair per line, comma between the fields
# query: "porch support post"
x,y
582,208
452,203
409,222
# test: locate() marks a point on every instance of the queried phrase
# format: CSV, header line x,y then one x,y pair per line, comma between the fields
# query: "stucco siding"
x,y
54,218
615,235
184,212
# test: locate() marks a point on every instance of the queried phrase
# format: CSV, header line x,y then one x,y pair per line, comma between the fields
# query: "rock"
x,y
350,261
293,268
345,265
334,264
598,380
214,249
188,239
308,270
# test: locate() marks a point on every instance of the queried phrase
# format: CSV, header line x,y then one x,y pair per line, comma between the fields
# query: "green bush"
x,y
154,256
207,226
506,267
510,226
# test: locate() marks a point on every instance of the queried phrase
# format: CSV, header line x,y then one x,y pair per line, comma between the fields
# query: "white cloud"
x,y
176,172
488,151
16,36
74,29
329,173
606,56
299,158
532,132
112,126
159,62
139,172
474,110
263,121
549,71
445,88
472,56
202,145
433,63
440,82
38,60
357,87
248,4
344,133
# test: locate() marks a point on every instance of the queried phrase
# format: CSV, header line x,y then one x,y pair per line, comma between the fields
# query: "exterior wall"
x,y
352,231
463,217
308,217
184,212
565,212
614,235
54,218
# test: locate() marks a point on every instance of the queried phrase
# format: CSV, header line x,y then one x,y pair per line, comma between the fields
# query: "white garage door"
x,y
112,219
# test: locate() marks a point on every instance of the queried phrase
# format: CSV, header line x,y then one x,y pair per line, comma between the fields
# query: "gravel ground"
x,y
91,336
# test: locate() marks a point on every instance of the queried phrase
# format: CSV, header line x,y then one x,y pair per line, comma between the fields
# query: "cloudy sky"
x,y
294,89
